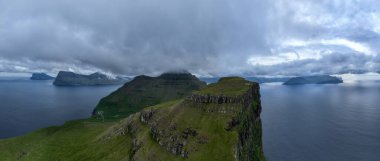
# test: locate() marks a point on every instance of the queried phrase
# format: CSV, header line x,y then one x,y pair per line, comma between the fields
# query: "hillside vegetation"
x,y
146,91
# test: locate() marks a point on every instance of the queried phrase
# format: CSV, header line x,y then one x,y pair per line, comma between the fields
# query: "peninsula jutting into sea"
x,y
170,117
193,80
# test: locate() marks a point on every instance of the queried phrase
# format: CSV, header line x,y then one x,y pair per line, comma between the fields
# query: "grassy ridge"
x,y
228,86
75,140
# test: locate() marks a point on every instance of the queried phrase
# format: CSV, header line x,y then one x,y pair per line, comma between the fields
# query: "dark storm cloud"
x,y
207,37
132,37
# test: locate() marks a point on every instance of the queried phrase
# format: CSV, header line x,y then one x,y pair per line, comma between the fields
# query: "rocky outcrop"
x,y
65,78
250,131
247,122
221,99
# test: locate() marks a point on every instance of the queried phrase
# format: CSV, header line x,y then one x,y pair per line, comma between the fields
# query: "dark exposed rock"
x,y
136,145
189,132
202,139
249,130
221,99
146,115
232,123
22,154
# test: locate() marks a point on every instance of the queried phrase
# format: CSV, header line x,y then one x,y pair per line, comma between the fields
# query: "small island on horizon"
x,y
66,78
41,76
321,79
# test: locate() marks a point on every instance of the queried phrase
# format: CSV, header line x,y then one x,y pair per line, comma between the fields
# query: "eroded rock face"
x,y
221,99
183,140
247,122
171,139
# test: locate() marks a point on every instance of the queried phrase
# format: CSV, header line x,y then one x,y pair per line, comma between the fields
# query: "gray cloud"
x,y
207,37
336,63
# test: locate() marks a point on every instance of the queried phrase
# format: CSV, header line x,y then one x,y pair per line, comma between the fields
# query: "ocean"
x,y
27,105
321,122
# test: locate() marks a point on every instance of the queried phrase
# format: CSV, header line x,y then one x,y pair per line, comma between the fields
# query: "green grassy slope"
x,y
75,140
176,130
146,91
228,86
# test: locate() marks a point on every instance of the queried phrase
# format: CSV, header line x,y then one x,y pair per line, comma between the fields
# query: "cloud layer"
x,y
207,37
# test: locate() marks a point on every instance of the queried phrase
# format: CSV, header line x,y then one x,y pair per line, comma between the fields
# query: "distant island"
x,y
41,76
322,79
65,78
267,79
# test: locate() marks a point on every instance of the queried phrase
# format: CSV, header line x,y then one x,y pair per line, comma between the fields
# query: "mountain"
x,y
219,122
323,79
145,91
41,76
65,78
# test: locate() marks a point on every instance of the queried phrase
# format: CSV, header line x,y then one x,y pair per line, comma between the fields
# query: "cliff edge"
x,y
220,122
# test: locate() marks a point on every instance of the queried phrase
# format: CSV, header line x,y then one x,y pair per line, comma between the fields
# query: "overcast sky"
x,y
206,37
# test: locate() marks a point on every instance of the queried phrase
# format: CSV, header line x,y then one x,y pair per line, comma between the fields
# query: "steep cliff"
x,y
221,122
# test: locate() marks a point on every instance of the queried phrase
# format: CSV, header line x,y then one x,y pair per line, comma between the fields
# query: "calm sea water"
x,y
321,122
27,105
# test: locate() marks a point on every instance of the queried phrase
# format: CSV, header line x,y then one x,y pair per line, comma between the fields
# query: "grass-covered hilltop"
x,y
218,122
146,91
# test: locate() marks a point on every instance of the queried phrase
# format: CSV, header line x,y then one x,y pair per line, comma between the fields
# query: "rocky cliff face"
x,y
200,127
248,120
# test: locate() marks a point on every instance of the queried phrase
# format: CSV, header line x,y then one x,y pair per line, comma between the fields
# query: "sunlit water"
x,y
27,105
321,122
